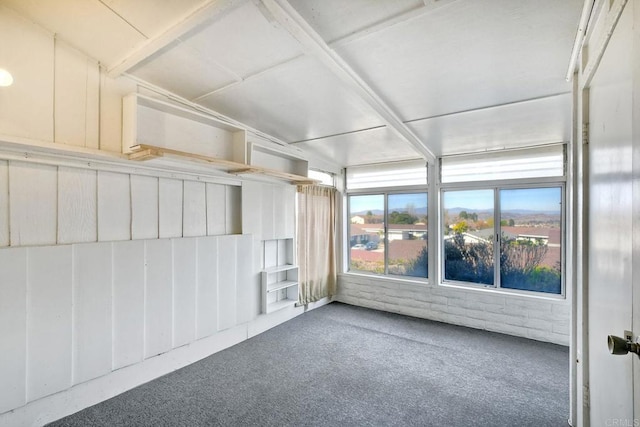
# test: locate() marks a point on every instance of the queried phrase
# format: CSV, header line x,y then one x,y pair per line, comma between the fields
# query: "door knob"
x,y
619,345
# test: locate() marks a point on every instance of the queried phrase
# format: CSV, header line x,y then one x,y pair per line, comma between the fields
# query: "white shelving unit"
x,y
279,287
279,277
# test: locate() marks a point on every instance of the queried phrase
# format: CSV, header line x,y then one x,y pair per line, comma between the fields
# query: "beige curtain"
x,y
316,242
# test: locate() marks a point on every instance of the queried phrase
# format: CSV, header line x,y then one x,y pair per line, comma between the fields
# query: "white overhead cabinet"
x,y
153,122
153,128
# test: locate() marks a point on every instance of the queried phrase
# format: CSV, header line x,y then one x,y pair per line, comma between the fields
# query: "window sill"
x,y
409,281
502,291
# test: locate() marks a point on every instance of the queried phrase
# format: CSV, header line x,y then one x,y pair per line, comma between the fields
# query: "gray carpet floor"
x,y
341,365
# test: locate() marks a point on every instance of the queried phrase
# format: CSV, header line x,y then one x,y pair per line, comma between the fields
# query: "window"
x,y
523,237
383,175
388,219
539,162
325,178
502,219
530,239
388,233
468,236
366,233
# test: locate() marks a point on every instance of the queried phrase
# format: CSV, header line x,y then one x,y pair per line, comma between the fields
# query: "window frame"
x,y
330,175
385,192
496,186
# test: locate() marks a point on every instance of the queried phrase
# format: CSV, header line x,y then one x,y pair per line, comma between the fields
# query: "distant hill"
x,y
515,212
416,211
457,210
373,211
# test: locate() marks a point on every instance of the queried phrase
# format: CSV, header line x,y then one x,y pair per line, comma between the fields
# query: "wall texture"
x,y
110,274
72,313
47,204
542,319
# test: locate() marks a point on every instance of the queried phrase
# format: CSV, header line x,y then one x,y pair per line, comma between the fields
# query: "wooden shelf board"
x,y
281,285
279,268
144,152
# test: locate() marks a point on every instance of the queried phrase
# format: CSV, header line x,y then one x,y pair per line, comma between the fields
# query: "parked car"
x,y
358,246
371,246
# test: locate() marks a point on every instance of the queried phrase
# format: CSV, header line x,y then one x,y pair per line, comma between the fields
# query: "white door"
x,y
613,217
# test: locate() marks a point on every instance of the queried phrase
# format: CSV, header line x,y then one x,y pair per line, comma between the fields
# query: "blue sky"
x,y
469,199
534,199
396,201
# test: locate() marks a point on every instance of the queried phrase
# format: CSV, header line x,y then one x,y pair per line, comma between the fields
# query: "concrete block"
x,y
519,311
502,318
440,308
538,324
457,311
507,329
562,327
487,298
561,309
436,299
534,314
529,304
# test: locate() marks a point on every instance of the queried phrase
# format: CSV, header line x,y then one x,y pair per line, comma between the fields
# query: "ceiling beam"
x,y
206,11
314,45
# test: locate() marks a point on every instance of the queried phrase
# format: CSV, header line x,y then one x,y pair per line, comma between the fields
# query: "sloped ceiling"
x,y
351,82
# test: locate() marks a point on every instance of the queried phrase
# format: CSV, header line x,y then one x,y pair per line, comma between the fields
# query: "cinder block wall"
x,y
540,318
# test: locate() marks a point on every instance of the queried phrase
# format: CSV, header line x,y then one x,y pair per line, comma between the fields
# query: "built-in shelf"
x,y
153,129
279,268
271,158
279,278
281,285
279,289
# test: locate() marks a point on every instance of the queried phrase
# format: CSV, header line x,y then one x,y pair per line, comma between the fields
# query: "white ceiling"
x,y
351,82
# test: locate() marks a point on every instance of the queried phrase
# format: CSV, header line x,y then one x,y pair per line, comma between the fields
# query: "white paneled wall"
x,y
114,206
45,205
185,297
102,270
92,310
72,313
27,109
268,210
61,95
216,211
207,288
33,203
76,97
158,296
49,312
4,201
195,209
77,205
128,302
227,315
13,329
144,207
170,203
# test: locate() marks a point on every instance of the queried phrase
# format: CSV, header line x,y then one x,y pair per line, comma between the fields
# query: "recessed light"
x,y
6,79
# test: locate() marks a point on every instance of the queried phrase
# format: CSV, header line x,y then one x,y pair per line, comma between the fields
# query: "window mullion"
x,y
497,221
385,229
